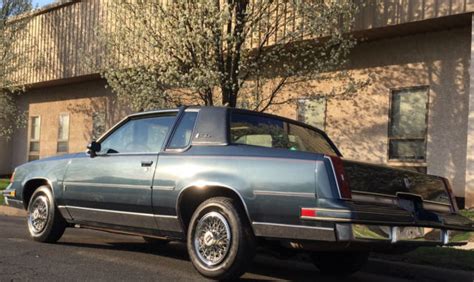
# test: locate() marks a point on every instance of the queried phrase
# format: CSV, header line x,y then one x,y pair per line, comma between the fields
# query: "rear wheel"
x,y
339,263
220,241
45,223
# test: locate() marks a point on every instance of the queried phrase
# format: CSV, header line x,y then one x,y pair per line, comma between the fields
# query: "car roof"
x,y
212,123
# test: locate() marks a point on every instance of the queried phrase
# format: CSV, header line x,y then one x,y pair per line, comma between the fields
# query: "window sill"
x,y
407,163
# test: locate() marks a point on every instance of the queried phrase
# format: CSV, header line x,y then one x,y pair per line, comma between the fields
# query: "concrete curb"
x,y
417,272
9,211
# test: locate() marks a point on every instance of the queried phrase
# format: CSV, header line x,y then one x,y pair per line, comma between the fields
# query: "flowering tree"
x,y
224,52
11,29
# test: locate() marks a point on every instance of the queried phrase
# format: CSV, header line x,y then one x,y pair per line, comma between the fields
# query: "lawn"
x,y
3,184
438,256
468,213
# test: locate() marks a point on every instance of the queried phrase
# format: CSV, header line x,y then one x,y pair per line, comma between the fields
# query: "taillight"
x,y
452,198
308,212
342,181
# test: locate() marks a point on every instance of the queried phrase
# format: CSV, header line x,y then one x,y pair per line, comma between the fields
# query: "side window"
x,y
250,129
182,136
143,135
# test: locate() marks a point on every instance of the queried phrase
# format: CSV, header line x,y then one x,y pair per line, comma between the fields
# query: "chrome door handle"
x,y
147,163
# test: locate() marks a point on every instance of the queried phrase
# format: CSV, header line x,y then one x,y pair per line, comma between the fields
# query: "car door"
x,y
115,187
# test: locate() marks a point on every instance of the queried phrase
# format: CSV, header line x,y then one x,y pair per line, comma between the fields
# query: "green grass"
x,y
468,213
436,256
3,184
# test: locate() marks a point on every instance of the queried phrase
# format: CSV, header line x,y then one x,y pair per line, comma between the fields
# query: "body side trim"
x,y
108,185
280,193
121,212
165,188
287,231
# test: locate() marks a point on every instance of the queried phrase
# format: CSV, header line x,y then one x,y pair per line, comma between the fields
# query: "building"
x,y
418,112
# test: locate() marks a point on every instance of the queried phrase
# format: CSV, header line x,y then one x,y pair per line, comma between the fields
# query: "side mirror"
x,y
93,148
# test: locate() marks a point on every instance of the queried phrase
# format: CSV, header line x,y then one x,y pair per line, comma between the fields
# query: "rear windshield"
x,y
250,129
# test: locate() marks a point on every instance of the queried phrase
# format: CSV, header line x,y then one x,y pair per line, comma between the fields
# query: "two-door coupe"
x,y
226,181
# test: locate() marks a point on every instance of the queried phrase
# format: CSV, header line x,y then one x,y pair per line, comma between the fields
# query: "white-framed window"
x,y
312,111
63,133
34,138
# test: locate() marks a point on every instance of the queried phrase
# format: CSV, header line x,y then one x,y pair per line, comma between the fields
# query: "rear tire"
x,y
220,241
339,263
45,223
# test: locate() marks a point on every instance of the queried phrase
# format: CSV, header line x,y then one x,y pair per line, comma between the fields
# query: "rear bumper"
x,y
367,236
371,215
370,226
400,235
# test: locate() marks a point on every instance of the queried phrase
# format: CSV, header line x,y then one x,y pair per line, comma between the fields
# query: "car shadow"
x,y
269,267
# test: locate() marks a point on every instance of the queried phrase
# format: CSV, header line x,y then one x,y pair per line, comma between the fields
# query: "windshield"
x,y
257,130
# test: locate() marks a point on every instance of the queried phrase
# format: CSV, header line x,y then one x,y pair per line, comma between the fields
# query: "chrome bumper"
x,y
400,234
8,195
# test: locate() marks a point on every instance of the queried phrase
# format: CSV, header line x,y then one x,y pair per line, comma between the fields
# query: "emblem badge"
x,y
407,182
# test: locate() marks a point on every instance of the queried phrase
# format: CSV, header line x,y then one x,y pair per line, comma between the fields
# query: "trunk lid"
x,y
370,180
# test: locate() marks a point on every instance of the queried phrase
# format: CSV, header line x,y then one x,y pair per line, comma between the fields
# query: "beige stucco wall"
x,y
80,100
470,130
440,60
358,126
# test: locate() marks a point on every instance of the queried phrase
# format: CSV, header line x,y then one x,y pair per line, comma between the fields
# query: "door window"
x,y
144,135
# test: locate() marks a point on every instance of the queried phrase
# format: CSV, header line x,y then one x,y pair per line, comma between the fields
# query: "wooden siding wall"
x,y
57,39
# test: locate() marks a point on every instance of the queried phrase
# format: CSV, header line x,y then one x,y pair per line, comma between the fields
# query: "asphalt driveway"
x,y
92,255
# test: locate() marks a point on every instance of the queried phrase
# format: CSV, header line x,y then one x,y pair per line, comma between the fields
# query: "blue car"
x,y
227,180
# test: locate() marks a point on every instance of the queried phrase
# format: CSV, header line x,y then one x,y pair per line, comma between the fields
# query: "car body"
x,y
289,185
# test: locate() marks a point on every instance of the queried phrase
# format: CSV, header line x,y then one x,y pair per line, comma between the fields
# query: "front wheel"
x,y
45,223
220,241
339,263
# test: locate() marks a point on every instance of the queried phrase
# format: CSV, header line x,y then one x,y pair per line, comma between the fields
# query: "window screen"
x,y
408,124
63,134
313,112
35,129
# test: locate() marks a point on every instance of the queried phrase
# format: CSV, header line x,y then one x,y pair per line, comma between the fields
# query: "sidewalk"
x,y
469,246
417,272
9,211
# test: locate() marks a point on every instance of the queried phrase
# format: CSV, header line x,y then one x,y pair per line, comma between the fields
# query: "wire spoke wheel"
x,y
38,214
212,238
